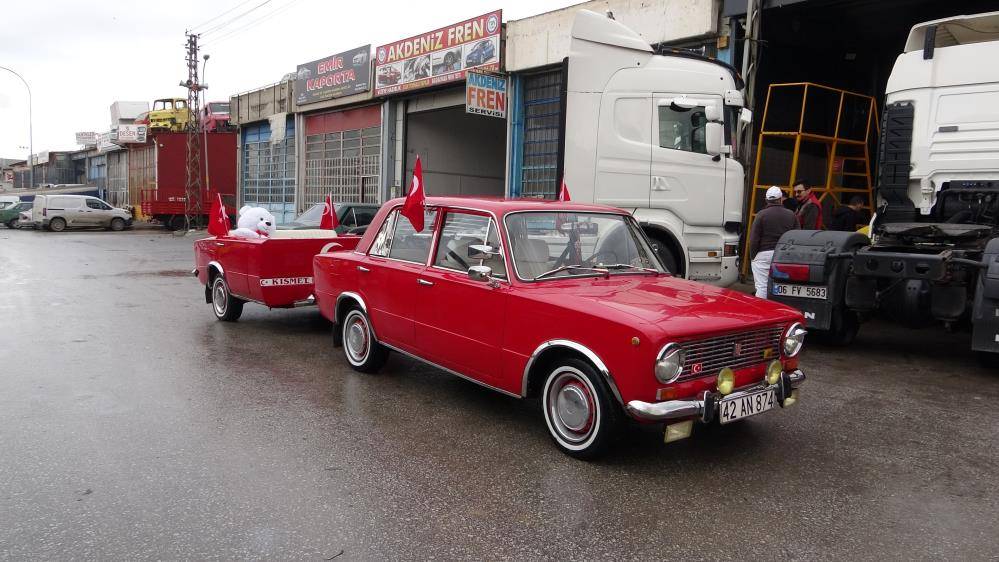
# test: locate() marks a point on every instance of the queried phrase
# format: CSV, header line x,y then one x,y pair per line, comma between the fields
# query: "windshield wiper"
x,y
601,271
629,266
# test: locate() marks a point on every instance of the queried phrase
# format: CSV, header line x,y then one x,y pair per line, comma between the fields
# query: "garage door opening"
x,y
462,154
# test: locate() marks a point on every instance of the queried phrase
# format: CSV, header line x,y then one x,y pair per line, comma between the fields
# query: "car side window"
x,y
407,244
682,129
363,217
349,221
94,204
380,247
462,230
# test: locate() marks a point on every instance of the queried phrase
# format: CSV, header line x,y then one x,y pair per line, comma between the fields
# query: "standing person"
x,y
849,216
809,211
771,223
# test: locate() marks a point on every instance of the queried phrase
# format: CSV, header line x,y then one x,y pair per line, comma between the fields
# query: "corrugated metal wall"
x,y
267,176
117,179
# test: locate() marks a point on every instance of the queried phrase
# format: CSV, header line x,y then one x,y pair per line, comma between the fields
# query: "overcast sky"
x,y
79,57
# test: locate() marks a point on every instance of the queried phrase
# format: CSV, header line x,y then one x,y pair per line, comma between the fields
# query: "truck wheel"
x,y
226,307
117,224
988,359
359,346
842,332
57,224
580,416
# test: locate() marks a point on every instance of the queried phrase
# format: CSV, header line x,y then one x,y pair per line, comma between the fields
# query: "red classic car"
x,y
564,302
275,272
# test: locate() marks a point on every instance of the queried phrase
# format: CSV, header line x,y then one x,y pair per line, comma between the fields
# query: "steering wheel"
x,y
602,256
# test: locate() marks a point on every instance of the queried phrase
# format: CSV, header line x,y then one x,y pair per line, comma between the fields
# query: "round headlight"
x,y
669,364
726,381
794,338
774,370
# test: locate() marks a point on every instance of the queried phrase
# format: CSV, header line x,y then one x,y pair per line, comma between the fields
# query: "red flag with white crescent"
x,y
329,220
563,192
218,221
413,208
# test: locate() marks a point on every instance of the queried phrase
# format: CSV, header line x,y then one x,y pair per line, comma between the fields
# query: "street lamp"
x,y
31,134
204,130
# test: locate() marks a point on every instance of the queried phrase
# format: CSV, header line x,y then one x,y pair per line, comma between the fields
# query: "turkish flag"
x,y
218,220
563,192
329,220
413,208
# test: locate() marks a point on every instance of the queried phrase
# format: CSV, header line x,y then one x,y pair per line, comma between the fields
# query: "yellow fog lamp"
x,y
774,371
726,381
791,400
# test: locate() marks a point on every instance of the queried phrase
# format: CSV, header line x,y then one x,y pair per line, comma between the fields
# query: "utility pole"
x,y
31,134
194,200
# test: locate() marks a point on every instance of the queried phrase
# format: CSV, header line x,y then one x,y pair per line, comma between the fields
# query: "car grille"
x,y
709,356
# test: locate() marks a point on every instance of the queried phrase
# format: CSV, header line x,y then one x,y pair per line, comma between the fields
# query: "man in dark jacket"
x,y
809,211
850,217
770,224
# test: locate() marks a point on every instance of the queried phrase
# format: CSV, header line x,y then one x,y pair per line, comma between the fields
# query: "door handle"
x,y
363,269
424,282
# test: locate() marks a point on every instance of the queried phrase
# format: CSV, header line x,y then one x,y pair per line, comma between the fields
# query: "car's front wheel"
x,y
359,346
225,306
578,411
117,224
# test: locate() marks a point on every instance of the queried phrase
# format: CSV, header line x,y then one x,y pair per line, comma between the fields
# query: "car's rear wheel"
x,y
117,224
578,411
225,306
359,346
57,224
12,224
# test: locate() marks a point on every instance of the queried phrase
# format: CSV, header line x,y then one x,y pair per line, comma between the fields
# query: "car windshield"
x,y
314,215
548,245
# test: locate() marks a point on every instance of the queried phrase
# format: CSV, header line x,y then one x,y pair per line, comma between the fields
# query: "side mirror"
x,y
481,251
481,273
713,141
745,116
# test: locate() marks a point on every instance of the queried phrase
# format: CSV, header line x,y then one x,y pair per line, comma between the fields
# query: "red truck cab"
x,y
565,302
215,116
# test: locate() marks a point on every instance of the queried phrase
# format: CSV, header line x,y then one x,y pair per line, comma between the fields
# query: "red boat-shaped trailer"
x,y
275,272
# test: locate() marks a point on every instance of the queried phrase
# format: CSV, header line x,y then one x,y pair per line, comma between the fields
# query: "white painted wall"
x,y
544,39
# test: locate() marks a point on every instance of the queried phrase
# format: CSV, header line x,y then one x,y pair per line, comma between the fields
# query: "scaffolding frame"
x,y
829,189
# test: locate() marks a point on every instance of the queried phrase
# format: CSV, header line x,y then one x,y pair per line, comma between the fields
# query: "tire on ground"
x,y
579,412
226,307
362,351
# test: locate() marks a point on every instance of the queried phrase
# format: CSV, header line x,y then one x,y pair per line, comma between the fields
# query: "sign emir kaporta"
x,y
485,95
440,56
336,76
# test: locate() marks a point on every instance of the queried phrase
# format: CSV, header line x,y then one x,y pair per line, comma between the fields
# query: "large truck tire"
x,y
985,311
828,320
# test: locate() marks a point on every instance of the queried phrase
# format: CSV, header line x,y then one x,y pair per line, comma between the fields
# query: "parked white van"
x,y
59,212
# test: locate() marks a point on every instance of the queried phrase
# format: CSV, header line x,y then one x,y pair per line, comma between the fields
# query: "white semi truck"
x,y
933,254
655,134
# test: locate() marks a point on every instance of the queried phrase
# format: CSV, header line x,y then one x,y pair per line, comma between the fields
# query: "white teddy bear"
x,y
254,222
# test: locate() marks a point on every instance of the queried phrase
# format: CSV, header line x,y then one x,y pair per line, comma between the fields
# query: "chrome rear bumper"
x,y
704,407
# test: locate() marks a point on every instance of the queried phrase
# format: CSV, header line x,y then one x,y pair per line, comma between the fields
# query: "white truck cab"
x,y
654,134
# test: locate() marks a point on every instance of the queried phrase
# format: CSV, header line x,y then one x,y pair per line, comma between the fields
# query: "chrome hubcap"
x,y
219,298
572,411
357,339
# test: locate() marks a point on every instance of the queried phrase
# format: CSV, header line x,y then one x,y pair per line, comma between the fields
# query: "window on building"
x,y
268,171
682,129
344,163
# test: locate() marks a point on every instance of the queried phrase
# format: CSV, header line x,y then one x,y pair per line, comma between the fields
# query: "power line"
x,y
230,10
217,27
230,33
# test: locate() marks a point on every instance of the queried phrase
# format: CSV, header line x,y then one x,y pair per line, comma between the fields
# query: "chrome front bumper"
x,y
705,407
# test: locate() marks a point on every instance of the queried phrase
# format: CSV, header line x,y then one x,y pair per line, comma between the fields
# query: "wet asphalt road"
x,y
135,425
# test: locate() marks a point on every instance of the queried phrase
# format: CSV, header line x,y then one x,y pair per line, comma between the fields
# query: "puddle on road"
x,y
137,274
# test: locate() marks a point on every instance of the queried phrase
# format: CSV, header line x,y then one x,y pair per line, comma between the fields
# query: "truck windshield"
x,y
219,107
549,245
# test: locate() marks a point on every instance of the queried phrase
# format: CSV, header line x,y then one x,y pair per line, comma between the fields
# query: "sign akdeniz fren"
x,y
336,76
485,95
440,56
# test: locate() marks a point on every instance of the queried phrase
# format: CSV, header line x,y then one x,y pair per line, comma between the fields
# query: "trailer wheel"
x,y
226,307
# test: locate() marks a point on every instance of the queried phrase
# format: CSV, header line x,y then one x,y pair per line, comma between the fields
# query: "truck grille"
x,y
735,351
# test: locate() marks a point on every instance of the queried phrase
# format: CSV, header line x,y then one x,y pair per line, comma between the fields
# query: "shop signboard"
x,y
130,134
440,56
336,76
105,142
485,95
87,138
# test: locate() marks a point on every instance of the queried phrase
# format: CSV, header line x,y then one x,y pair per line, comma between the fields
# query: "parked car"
x,y
353,217
565,302
25,220
59,212
482,52
8,200
11,215
388,75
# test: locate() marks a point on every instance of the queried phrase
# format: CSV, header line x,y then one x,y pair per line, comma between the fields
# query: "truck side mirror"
x,y
712,113
713,138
